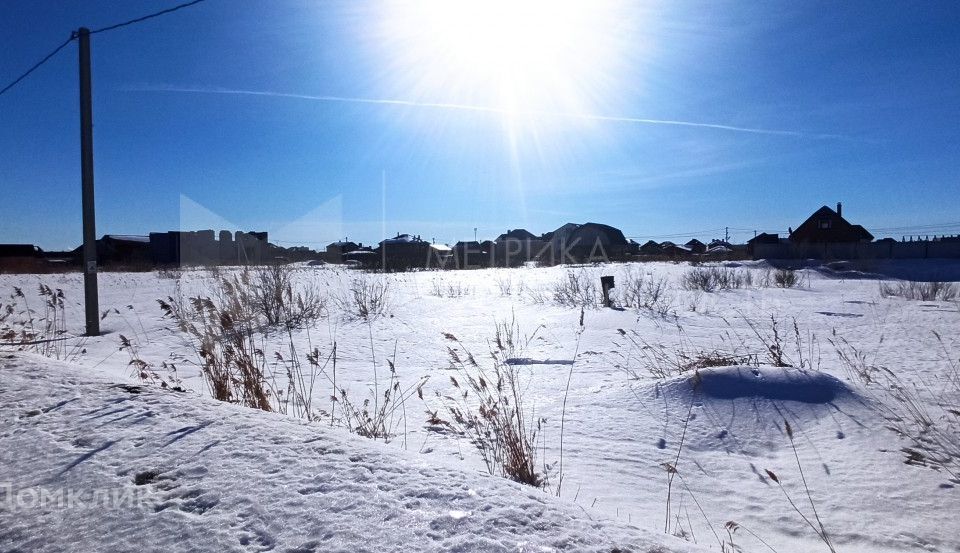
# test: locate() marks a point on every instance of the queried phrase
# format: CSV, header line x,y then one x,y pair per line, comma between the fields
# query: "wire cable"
x,y
73,36
934,226
146,17
39,63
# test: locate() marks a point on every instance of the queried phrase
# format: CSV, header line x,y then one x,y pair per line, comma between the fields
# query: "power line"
x,y
680,234
73,36
146,17
39,63
921,227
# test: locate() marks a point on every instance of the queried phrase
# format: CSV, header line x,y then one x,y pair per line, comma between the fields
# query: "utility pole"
x,y
91,300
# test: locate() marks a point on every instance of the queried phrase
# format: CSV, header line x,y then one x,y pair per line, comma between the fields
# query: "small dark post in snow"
x,y
606,283
91,301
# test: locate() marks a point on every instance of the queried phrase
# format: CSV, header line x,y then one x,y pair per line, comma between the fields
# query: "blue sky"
x,y
319,120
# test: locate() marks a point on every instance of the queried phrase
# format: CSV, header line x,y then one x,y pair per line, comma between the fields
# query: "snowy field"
x,y
754,418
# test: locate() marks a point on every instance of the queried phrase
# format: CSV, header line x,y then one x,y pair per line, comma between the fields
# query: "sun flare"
x,y
517,56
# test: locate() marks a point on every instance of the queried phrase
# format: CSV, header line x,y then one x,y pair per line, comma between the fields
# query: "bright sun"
x,y
510,55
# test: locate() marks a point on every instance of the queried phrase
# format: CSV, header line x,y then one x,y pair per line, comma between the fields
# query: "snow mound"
x,y
771,383
93,465
743,409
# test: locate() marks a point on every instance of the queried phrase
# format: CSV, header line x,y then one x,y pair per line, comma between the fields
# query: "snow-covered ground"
x,y
96,465
719,431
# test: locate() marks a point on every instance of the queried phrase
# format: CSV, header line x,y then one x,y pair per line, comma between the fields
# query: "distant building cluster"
x,y
571,243
826,234
204,248
158,249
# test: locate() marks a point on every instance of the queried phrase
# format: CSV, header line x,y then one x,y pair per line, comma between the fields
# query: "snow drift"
x,y
742,408
186,473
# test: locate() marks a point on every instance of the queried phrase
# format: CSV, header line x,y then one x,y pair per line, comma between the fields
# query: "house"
x,y
516,234
673,250
405,251
516,247
365,257
600,233
719,250
17,257
762,238
577,243
440,254
13,251
829,226
723,248
120,249
336,250
470,254
696,246
599,241
561,234
651,247
295,253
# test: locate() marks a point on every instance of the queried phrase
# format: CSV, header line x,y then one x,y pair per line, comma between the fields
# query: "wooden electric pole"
x,y
91,300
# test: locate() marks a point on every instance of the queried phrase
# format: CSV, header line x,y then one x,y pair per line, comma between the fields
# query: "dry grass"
x,y
230,343
293,394
366,297
281,299
786,278
712,279
791,348
42,330
228,330
509,341
576,289
925,412
267,296
643,359
818,527
537,295
165,377
506,286
443,289
229,348
922,291
781,278
673,472
486,405
380,415
647,293
231,329
760,345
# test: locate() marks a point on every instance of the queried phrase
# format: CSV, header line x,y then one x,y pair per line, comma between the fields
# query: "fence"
x,y
925,249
